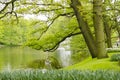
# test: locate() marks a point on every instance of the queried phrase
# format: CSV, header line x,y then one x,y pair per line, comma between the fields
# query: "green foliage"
x,y
54,62
60,75
78,57
37,64
75,47
119,62
56,32
78,48
115,57
17,34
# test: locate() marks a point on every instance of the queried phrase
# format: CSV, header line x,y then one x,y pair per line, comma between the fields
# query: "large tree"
x,y
97,46
83,25
75,17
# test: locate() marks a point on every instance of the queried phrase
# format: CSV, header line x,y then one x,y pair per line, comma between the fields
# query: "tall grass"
x,y
60,75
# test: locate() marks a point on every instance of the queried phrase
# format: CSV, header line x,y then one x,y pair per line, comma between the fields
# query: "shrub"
x,y
60,75
41,63
112,50
79,56
115,57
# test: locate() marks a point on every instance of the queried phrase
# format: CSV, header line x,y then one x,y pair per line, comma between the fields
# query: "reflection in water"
x,y
17,57
65,56
7,67
64,53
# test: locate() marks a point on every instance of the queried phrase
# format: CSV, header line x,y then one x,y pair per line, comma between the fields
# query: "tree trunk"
x,y
108,34
76,5
99,29
118,30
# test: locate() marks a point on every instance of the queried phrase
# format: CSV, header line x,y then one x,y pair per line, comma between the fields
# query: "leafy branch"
x,y
48,4
72,33
10,12
48,10
53,20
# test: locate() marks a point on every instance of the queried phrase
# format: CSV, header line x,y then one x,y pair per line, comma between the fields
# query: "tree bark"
x,y
108,37
99,29
108,34
76,5
118,30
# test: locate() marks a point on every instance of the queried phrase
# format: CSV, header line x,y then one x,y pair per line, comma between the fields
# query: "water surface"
x,y
17,57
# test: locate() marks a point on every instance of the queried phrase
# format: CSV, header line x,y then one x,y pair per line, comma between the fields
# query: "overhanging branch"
x,y
6,4
57,44
48,10
15,14
5,14
10,12
65,14
40,4
3,8
72,33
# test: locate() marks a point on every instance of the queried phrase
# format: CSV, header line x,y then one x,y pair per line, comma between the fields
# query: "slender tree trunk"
x,y
76,5
107,28
118,29
108,34
99,29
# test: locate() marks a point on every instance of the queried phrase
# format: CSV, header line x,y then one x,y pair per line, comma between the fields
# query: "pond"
x,y
18,57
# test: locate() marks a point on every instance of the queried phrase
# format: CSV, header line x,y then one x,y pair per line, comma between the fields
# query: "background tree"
x,y
110,17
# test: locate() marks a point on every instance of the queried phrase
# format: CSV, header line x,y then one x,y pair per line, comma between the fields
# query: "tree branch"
x,y
48,10
6,4
12,1
3,8
65,14
57,44
12,10
16,16
5,14
50,4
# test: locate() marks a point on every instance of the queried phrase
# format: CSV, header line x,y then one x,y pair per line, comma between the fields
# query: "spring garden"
x,y
59,39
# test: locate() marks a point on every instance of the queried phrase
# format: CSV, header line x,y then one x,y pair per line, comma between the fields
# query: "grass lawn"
x,y
95,64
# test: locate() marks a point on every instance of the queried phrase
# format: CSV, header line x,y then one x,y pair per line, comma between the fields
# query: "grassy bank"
x,y
95,64
110,63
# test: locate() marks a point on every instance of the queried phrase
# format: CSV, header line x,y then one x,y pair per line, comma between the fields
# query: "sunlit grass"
x,y
96,64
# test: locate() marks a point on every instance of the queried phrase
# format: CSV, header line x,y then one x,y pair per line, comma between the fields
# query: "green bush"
x,y
41,63
60,75
112,50
119,62
79,56
115,57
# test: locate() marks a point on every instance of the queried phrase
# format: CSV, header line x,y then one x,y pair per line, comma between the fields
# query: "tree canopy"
x,y
56,20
